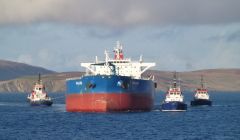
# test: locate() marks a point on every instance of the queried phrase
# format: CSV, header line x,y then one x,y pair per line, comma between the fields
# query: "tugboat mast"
x,y
39,78
202,85
175,80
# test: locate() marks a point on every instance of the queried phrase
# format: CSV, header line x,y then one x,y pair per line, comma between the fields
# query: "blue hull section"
x,y
201,102
174,106
109,93
98,84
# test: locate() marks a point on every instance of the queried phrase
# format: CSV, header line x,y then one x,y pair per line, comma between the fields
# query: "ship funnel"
x,y
118,53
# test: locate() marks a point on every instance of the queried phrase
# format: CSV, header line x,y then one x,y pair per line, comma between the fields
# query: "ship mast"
x,y
175,79
39,78
202,84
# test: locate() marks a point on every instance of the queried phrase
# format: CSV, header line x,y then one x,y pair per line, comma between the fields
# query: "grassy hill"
x,y
216,80
53,82
11,70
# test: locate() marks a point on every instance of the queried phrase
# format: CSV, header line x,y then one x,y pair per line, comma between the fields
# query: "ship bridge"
x,y
118,65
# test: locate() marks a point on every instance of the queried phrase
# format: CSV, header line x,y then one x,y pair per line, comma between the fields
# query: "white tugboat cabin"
x,y
174,98
38,96
174,92
201,93
201,96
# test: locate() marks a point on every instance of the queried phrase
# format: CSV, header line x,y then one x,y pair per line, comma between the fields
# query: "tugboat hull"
x,y
198,102
174,106
41,103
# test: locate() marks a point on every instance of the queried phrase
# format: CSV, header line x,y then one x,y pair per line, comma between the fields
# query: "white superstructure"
x,y
174,92
118,66
38,92
201,93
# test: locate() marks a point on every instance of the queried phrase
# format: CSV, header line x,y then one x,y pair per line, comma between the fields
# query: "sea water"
x,y
19,120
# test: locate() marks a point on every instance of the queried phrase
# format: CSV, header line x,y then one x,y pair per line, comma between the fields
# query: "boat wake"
x,y
156,110
229,105
13,104
59,107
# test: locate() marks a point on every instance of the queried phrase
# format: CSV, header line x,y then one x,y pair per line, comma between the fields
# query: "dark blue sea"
x,y
18,120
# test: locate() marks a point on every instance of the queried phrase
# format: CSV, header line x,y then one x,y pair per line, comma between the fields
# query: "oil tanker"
x,y
115,84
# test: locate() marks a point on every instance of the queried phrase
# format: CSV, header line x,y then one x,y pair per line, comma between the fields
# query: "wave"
x,y
12,104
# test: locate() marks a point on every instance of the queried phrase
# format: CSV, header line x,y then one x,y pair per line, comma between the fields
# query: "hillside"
x,y
216,80
53,82
11,70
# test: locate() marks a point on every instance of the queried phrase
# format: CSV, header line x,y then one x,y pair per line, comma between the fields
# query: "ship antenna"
x,y
96,59
202,81
175,79
140,59
39,78
106,56
118,44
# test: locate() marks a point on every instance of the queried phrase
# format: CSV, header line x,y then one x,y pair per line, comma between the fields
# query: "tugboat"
x,y
201,96
174,98
39,97
115,84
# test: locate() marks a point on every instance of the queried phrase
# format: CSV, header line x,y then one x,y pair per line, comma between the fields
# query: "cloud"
x,y
104,33
227,37
120,13
42,58
234,36
25,58
62,47
55,61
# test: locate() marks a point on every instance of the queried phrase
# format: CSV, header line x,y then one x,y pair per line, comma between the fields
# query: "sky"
x,y
178,35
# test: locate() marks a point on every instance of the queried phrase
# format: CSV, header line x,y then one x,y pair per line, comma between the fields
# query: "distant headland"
x,y
19,77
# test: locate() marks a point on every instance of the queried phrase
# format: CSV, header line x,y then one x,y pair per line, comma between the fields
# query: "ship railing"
x,y
120,60
73,78
151,77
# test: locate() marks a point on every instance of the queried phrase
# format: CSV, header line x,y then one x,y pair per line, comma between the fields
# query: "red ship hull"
x,y
101,102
